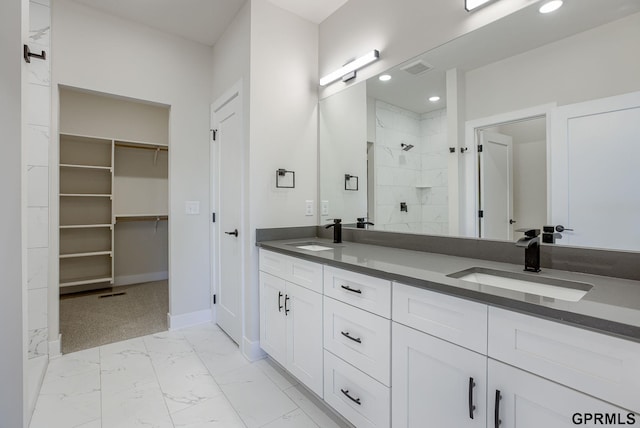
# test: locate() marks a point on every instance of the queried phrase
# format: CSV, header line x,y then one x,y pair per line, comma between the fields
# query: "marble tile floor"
x,y
195,378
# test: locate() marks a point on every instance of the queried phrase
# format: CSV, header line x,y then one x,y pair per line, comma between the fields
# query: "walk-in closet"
x,y
113,218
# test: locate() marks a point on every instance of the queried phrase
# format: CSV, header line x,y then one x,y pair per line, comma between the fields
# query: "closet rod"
x,y
150,147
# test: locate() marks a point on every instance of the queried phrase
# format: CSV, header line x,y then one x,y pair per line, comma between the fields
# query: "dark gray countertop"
x,y
612,306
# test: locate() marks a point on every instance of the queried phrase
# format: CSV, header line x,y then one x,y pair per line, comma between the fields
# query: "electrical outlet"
x,y
324,207
192,207
308,207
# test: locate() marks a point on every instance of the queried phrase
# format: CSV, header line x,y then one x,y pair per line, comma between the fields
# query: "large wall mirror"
x,y
532,120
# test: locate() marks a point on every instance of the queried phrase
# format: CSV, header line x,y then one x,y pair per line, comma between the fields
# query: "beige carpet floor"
x,y
88,320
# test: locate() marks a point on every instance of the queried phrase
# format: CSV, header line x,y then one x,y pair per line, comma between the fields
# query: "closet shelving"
x,y
88,211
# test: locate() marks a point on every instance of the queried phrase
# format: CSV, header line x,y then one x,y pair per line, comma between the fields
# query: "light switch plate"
x,y
308,208
192,207
324,207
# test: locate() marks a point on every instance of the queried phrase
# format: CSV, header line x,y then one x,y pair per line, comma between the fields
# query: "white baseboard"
x,y
140,278
186,320
36,369
251,350
55,347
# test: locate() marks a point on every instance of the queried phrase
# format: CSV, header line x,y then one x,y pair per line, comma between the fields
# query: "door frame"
x,y
469,210
232,93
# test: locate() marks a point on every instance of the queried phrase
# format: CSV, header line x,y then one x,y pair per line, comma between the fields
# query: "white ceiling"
x,y
311,10
519,32
202,21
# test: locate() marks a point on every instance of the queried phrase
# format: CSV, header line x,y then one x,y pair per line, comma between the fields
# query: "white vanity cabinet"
x,y
439,369
518,399
291,326
436,383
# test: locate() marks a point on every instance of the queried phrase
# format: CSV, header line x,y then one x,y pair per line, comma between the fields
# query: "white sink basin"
x,y
313,247
569,291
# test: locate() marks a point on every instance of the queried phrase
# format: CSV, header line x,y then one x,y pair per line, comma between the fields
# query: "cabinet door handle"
x,y
286,299
355,400
472,407
348,336
346,287
496,413
279,301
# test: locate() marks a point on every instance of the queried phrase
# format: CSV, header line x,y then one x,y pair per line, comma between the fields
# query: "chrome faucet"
x,y
531,244
337,230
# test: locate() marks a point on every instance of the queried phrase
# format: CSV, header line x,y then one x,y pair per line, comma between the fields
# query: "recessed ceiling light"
x,y
550,6
434,98
385,77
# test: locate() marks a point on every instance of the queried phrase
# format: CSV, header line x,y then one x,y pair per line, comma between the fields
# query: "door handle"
x,y
471,406
279,301
560,228
353,290
496,413
512,221
234,233
286,299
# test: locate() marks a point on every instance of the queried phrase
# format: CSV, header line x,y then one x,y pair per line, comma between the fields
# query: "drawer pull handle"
x,y
348,336
355,400
472,407
279,301
346,287
496,414
286,310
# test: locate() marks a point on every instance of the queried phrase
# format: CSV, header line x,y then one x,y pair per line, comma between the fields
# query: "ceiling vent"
x,y
417,67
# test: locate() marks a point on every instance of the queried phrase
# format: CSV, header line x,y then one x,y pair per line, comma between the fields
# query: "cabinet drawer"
x,y
358,337
455,320
304,273
365,292
596,364
363,401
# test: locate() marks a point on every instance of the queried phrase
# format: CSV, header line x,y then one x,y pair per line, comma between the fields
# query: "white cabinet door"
x,y
273,324
529,401
435,383
304,336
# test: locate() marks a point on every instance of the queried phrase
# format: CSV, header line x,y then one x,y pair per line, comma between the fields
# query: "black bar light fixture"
x,y
348,71
471,5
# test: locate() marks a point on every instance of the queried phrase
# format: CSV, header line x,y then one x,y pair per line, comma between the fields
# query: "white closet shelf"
x,y
140,217
86,226
86,195
68,165
91,254
87,280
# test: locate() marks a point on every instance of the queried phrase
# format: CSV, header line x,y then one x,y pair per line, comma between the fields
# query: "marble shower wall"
x,y
435,151
417,177
37,164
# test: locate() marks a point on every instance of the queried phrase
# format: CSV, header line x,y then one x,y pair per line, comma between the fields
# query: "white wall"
x,y
283,129
400,29
100,52
343,150
13,24
598,63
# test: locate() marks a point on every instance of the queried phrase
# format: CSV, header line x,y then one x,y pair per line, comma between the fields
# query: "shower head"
x,y
406,147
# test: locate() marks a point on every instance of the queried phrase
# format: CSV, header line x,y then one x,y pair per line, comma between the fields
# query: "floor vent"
x,y
112,294
417,67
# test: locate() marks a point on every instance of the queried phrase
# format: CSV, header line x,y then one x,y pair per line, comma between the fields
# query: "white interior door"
x,y
595,175
227,123
496,185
